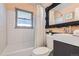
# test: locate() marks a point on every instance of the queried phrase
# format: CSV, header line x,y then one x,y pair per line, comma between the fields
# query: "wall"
x,y
63,9
20,37
3,41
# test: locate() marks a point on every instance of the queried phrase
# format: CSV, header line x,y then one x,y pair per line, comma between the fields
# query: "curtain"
x,y
40,27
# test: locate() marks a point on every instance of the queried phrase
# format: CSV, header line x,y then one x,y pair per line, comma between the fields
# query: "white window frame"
x,y
16,26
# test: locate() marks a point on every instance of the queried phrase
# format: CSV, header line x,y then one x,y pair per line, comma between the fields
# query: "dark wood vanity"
x,y
64,49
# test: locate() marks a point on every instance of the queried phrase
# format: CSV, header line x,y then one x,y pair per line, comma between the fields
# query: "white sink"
x,y
66,38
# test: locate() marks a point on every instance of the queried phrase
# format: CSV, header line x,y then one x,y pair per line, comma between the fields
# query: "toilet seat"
x,y
41,51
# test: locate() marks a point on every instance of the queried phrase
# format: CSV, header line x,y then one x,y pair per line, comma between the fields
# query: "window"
x,y
24,19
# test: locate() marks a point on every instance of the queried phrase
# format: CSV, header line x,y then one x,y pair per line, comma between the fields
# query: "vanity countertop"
x,y
66,38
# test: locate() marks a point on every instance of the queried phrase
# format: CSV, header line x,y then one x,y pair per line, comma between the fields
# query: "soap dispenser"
x,y
50,32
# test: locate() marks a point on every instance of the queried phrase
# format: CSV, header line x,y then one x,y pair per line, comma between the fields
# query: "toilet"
x,y
44,51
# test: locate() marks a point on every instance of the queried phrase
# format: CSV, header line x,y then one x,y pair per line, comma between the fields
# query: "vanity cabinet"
x,y
64,49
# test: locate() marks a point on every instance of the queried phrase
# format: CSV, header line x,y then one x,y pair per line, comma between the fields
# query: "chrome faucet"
x,y
66,31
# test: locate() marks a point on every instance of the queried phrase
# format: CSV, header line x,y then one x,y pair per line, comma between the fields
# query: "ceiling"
x,y
45,4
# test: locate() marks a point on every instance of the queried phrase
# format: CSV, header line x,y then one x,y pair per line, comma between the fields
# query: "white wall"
x,y
3,41
18,37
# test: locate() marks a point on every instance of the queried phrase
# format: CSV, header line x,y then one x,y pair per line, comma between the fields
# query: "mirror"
x,y
50,15
55,17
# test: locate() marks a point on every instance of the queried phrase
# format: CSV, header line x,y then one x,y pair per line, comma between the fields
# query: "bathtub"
x,y
18,50
21,52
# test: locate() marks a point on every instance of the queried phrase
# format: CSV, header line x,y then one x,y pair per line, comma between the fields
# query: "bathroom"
x,y
46,22
19,37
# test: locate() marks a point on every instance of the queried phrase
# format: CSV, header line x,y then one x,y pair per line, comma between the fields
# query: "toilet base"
x,y
45,54
41,55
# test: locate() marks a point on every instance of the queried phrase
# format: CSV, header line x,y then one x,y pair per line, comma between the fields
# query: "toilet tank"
x,y
49,41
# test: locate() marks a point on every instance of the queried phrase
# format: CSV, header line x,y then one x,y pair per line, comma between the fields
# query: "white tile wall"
x,y
3,41
18,36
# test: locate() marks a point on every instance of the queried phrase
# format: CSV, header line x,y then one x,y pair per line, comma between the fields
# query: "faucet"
x,y
66,31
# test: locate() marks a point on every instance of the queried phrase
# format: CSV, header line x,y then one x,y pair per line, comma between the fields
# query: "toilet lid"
x,y
40,50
